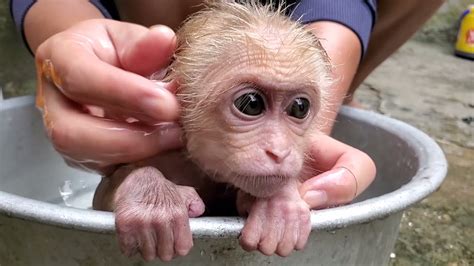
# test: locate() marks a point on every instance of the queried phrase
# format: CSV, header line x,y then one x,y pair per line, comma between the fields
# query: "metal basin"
x,y
45,215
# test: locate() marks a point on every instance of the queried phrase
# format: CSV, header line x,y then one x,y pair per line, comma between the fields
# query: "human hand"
x,y
344,173
91,79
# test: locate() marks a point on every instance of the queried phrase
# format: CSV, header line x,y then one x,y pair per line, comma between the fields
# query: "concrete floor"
x,y
428,87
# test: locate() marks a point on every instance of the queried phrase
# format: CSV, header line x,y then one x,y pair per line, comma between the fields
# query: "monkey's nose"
x,y
278,156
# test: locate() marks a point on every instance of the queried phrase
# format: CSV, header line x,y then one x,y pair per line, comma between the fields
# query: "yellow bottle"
x,y
465,39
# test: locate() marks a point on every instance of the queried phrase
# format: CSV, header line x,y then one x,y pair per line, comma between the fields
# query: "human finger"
x,y
337,186
347,172
89,80
150,53
91,139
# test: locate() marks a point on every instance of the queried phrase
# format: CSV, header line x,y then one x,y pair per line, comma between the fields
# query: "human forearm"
x,y
48,17
344,50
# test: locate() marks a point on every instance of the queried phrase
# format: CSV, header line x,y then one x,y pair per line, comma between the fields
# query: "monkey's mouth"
x,y
261,186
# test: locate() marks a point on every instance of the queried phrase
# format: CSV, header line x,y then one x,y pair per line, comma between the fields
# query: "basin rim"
x,y
429,176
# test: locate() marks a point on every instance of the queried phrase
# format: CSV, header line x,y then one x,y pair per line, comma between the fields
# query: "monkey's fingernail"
x,y
315,198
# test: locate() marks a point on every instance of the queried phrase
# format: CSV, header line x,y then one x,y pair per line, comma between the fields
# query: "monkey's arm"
x,y
346,172
151,213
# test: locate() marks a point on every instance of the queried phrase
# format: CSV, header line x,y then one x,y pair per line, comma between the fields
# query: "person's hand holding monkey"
x,y
98,69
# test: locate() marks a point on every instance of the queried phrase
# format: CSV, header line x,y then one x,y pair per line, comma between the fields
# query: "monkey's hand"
x,y
152,215
279,224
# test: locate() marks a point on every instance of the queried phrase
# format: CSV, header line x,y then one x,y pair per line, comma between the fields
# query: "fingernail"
x,y
152,105
157,76
331,177
170,137
165,30
315,198
162,105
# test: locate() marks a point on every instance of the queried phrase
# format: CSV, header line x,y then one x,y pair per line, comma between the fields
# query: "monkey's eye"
x,y
250,104
299,108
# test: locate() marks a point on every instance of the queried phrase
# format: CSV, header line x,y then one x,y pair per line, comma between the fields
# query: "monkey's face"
x,y
255,129
251,84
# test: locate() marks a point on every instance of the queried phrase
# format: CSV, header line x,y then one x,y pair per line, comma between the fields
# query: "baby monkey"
x,y
252,84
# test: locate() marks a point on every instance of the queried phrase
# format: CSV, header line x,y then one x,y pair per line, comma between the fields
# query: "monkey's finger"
x,y
165,241
289,238
147,244
252,231
128,244
182,235
304,230
273,230
270,237
91,139
193,202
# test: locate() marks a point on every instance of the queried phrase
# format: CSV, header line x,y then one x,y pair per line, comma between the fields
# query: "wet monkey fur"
x,y
251,85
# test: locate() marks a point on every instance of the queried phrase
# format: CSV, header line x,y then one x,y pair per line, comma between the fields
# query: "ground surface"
x,y
426,86
422,84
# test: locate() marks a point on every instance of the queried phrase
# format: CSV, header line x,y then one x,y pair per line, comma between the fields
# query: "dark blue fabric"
x,y
106,7
358,15
19,8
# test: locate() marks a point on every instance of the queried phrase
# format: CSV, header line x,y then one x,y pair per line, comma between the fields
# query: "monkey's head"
x,y
251,84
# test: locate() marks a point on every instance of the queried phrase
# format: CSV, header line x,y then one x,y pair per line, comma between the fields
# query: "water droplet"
x,y
66,191
82,183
